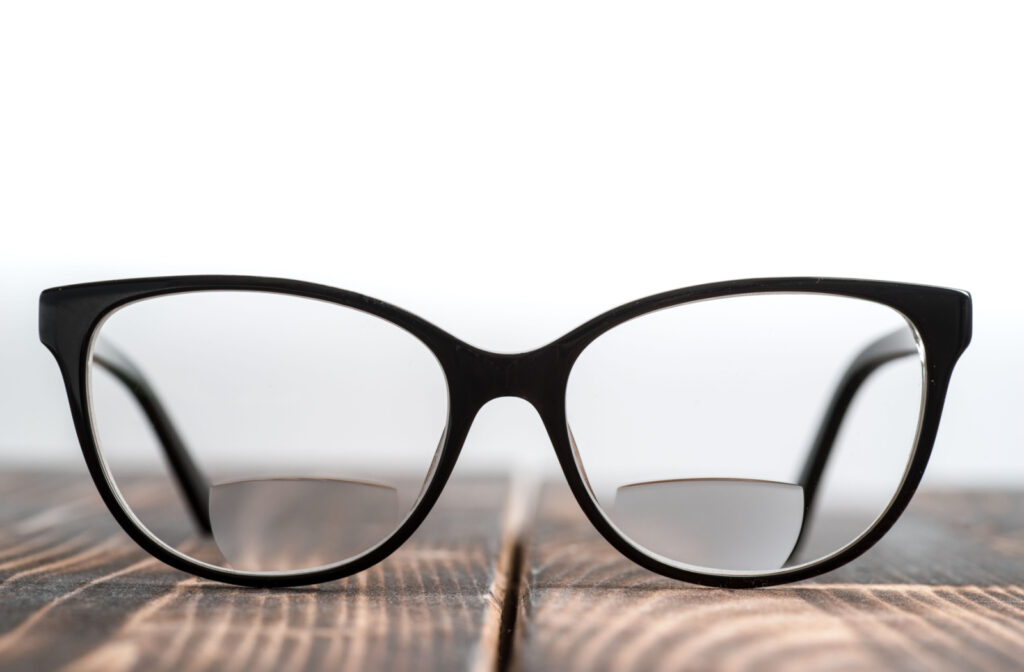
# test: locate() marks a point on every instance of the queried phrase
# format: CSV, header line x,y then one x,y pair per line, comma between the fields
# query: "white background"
x,y
508,170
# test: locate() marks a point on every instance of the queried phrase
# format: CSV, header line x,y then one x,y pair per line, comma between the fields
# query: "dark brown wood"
x,y
77,594
943,591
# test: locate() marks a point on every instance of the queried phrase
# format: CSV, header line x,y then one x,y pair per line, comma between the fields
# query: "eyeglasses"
x,y
269,432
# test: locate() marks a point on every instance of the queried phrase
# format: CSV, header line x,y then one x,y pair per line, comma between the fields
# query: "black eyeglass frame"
x,y
69,317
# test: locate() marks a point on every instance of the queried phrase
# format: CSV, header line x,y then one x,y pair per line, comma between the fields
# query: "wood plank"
x,y
78,595
943,591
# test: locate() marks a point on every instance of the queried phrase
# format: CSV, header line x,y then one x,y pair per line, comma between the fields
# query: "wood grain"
x,y
78,595
943,591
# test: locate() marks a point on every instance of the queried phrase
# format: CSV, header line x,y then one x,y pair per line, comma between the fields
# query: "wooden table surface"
x,y
502,577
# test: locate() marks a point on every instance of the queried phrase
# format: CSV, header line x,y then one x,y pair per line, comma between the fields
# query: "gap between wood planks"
x,y
497,640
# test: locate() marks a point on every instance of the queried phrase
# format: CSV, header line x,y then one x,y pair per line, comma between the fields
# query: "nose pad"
x,y
434,462
577,458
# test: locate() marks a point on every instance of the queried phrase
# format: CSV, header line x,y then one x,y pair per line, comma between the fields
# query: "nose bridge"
x,y
529,375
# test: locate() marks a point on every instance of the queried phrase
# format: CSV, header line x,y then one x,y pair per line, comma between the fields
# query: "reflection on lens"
x,y
262,432
704,430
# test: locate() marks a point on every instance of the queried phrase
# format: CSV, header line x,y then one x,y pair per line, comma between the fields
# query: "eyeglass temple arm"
x,y
193,485
888,348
